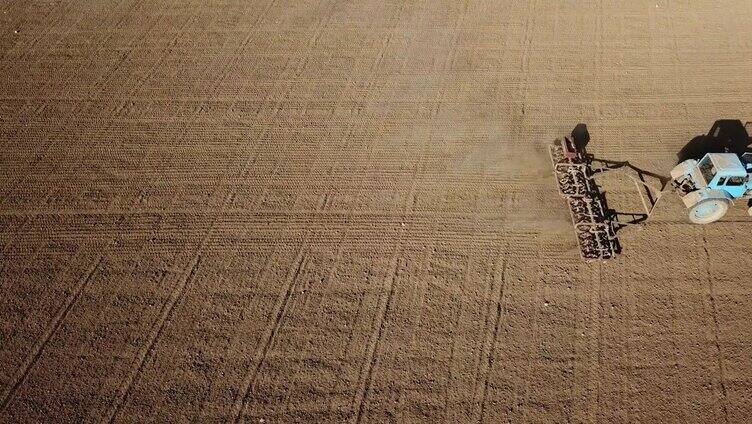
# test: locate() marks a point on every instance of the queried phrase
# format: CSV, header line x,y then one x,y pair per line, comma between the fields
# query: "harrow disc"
x,y
593,226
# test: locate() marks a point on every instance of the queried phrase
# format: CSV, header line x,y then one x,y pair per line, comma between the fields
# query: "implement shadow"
x,y
649,194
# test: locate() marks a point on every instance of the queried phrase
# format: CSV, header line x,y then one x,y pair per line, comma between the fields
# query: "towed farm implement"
x,y
714,171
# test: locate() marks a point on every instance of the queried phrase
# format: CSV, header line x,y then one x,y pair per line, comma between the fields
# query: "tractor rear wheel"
x,y
708,210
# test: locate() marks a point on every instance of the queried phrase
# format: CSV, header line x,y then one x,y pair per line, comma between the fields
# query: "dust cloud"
x,y
540,209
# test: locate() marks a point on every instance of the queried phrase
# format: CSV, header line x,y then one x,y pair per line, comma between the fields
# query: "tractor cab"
x,y
725,172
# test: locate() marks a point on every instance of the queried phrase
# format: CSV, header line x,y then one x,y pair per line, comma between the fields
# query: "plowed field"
x,y
330,211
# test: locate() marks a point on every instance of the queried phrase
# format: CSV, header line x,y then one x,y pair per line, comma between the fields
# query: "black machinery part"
x,y
726,136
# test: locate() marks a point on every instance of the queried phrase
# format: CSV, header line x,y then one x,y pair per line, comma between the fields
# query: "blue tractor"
x,y
714,171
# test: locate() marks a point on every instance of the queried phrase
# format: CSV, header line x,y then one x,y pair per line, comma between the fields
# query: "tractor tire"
x,y
708,210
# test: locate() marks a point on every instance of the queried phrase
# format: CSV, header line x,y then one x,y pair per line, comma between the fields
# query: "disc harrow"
x,y
594,227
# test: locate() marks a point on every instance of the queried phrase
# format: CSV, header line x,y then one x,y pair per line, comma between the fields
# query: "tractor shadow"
x,y
725,136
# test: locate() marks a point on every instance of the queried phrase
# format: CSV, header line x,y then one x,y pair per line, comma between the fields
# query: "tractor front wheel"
x,y
708,210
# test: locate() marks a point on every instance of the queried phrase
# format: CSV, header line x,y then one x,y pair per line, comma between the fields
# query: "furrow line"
x,y
271,334
146,352
57,321
369,364
491,336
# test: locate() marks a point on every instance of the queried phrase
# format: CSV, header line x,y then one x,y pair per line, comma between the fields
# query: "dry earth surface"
x,y
342,211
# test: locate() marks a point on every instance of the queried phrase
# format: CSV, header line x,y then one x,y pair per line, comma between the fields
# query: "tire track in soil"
x,y
596,300
146,353
175,297
491,332
271,333
166,312
200,415
716,328
41,343
265,13
365,379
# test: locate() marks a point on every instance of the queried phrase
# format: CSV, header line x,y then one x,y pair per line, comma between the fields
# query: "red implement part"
x,y
569,149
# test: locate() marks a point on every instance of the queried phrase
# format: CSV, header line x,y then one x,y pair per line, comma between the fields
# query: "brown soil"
x,y
328,211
